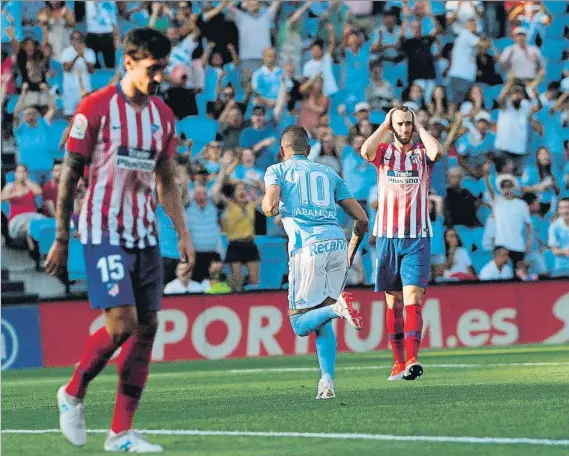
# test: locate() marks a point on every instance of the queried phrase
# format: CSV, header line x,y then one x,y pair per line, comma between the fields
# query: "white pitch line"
x,y
317,435
389,366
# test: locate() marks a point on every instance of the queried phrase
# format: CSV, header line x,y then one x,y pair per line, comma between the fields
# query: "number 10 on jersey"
x,y
314,188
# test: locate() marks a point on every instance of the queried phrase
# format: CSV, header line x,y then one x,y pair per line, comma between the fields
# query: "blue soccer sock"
x,y
326,350
304,324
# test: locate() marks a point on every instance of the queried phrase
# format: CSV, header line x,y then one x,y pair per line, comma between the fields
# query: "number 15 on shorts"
x,y
108,276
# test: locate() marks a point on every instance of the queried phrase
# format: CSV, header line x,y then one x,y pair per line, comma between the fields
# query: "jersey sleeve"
x,y
271,177
84,128
342,191
379,154
170,134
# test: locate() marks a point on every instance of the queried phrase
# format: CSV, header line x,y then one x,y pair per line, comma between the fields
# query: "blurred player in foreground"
x,y
305,194
403,230
127,137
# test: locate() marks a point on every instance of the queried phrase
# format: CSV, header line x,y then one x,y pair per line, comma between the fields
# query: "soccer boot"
x,y
130,442
71,418
344,307
413,369
397,372
325,389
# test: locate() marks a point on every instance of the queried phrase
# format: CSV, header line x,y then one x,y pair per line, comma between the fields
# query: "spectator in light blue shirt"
x,y
541,180
247,172
267,80
357,65
559,240
358,174
474,146
386,37
261,137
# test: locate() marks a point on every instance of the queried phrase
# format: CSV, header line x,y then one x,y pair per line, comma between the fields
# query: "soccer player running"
x,y
126,135
305,194
403,230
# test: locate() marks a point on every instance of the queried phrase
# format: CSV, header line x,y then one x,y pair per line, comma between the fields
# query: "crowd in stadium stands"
x,y
490,80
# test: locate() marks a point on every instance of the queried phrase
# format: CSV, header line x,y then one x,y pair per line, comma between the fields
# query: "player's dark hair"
x,y
563,200
296,138
57,161
143,43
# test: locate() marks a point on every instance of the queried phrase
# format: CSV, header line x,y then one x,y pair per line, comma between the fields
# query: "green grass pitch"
x,y
517,393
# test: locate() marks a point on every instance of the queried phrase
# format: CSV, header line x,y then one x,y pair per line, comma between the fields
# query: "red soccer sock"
x,y
98,350
394,323
413,329
132,366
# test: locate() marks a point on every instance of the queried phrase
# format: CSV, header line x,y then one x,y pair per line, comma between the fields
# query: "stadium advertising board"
x,y
251,325
20,344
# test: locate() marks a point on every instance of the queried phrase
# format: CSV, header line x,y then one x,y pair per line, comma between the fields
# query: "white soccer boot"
x,y
397,372
344,307
130,442
71,418
325,389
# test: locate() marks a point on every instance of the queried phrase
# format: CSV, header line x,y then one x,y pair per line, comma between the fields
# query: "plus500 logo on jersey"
x,y
402,177
20,344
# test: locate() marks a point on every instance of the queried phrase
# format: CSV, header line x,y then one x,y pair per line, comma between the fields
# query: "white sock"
x,y
327,378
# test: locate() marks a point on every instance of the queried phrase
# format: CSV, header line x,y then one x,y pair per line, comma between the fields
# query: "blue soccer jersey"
x,y
309,193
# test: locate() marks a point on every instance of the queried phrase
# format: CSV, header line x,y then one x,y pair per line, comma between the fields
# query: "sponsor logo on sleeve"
x,y
79,127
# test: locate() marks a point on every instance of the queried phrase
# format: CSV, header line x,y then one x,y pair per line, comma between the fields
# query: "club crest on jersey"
x,y
155,128
79,127
403,177
415,158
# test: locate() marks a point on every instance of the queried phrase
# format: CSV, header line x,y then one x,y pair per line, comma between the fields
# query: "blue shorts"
x,y
117,276
402,262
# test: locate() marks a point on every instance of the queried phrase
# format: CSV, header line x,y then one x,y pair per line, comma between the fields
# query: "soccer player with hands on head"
x,y
403,230
305,194
127,137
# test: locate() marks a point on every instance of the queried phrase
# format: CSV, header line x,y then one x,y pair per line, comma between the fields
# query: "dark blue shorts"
x,y
402,262
117,276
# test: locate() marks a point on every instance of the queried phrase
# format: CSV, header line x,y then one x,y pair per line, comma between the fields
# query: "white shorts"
x,y
316,272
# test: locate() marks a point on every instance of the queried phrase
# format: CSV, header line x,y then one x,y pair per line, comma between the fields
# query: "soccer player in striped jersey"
x,y
126,135
305,194
403,230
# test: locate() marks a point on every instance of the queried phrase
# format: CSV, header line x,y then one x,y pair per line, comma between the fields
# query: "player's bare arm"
x,y
71,172
271,200
171,200
433,147
353,208
370,146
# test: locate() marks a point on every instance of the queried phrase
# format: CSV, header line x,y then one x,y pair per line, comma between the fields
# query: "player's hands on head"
x,y
56,262
387,121
416,124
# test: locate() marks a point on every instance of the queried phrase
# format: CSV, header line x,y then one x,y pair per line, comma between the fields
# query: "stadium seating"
x,y
76,261
36,227
274,261
56,130
200,129
100,78
480,259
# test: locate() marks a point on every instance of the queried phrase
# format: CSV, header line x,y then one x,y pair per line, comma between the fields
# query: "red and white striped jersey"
x,y
122,146
403,181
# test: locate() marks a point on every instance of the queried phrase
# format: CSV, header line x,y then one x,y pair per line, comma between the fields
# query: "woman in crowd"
x,y
21,195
